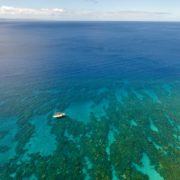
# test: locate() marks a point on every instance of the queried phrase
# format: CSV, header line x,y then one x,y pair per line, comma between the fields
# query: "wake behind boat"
x,y
59,115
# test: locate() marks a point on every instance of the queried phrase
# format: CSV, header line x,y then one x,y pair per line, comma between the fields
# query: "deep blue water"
x,y
113,79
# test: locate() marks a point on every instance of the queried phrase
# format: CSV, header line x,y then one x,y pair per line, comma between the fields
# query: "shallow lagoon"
x,y
122,102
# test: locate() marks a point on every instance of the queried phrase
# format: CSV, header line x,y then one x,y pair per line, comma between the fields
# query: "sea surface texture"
x,y
118,83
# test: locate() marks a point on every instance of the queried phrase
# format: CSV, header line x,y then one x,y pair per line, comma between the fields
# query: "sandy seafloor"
x,y
119,85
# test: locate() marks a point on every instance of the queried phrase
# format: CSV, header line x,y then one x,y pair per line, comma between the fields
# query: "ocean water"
x,y
118,83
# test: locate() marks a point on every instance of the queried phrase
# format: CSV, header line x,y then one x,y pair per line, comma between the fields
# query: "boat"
x,y
59,115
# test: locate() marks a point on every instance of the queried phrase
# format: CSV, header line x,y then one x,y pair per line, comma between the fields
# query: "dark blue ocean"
x,y
117,82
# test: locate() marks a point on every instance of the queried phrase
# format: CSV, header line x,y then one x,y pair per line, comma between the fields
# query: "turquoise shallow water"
x,y
119,86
